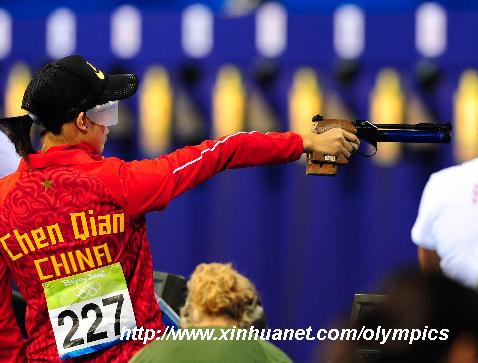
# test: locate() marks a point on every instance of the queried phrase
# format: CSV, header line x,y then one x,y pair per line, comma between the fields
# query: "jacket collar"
x,y
60,155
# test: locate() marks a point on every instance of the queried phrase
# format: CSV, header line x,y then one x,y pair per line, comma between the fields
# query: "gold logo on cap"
x,y
97,71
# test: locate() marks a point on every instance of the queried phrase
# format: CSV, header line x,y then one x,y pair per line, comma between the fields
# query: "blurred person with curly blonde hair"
x,y
218,297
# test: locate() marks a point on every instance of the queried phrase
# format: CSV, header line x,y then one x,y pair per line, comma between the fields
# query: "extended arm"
x,y
150,184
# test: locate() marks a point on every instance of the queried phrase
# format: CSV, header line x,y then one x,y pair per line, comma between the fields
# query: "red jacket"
x,y
70,212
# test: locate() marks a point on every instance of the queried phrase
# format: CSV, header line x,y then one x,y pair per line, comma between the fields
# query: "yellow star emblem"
x,y
47,184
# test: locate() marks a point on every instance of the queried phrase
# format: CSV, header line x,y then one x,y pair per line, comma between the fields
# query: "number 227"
x,y
91,336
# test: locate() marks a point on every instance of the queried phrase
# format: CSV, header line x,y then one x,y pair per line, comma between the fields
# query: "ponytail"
x,y
18,131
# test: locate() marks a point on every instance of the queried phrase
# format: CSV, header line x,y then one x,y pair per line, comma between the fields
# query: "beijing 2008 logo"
x,y
83,292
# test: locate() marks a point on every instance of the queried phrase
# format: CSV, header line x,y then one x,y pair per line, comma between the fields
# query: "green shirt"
x,y
210,351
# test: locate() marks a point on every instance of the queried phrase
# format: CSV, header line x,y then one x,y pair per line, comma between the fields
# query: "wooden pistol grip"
x,y
331,123
321,168
320,164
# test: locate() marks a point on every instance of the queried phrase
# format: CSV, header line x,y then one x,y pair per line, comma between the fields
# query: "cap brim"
x,y
118,87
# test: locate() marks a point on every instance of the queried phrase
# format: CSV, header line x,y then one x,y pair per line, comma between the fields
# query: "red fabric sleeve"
x,y
11,340
149,185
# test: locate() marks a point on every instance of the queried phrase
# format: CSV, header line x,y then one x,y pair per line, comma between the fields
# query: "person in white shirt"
x,y
446,229
9,159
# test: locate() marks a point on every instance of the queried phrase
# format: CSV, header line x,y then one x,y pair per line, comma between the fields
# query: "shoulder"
x,y
451,183
101,166
446,191
163,351
111,161
456,174
6,185
273,354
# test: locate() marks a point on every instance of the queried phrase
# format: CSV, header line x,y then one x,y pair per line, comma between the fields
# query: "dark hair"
x,y
416,301
18,131
47,93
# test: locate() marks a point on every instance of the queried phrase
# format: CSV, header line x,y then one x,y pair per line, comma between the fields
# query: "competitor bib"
x,y
89,310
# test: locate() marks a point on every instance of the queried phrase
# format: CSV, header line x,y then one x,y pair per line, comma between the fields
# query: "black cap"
x,y
62,89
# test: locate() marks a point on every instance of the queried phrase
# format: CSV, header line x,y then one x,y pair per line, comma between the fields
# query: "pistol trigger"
x,y
369,155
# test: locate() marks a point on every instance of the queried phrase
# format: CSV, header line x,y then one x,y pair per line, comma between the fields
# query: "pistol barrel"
x,y
436,137
418,127
417,133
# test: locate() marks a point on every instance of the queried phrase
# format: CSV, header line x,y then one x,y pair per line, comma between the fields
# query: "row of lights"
x,y
234,108
198,36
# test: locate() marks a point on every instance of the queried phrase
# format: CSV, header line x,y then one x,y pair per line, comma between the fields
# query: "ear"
x,y
82,122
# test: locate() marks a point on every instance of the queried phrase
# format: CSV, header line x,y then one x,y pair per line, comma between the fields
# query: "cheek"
x,y
97,137
103,136
101,132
